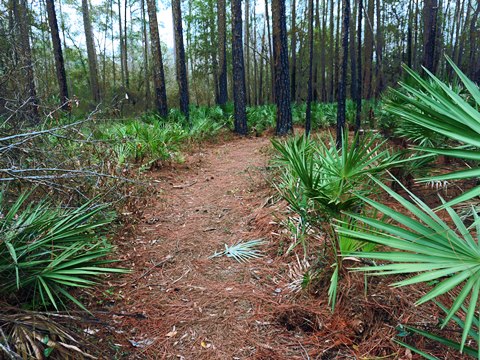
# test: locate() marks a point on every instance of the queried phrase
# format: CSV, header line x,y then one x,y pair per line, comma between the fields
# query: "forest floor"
x,y
178,303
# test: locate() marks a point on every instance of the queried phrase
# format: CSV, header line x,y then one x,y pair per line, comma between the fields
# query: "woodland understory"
x,y
256,179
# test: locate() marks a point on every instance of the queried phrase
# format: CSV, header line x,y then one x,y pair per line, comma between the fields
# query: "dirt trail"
x,y
194,307
180,304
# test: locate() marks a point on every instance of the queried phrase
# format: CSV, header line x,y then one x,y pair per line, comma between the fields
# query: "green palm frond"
x,y
441,110
424,244
45,250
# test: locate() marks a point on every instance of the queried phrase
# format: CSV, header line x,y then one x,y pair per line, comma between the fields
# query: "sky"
x,y
164,17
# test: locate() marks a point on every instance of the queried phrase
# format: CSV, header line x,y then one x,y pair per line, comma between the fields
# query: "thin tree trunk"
x,y
379,52
353,59
368,56
91,54
270,50
239,90
125,48
180,58
323,60
58,54
474,41
20,12
120,35
282,76
358,100
293,49
331,69
409,35
430,11
247,51
158,73
342,86
222,53
255,62
308,113
145,57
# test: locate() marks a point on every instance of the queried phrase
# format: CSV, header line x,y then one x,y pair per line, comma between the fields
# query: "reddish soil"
x,y
177,303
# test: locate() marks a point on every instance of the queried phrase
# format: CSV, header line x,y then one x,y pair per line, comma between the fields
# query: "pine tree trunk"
x,y
308,113
353,59
282,76
323,60
474,43
25,59
409,36
331,67
379,52
58,54
125,49
180,58
239,91
158,74
430,11
270,51
145,57
222,53
91,54
342,86
358,100
293,49
120,36
368,56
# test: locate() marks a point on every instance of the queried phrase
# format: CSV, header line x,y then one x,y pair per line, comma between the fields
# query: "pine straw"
x,y
188,306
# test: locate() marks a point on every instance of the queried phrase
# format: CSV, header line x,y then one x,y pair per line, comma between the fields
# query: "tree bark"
x,y
368,56
342,86
25,59
282,78
180,59
353,59
270,51
379,76
222,53
58,54
239,90
358,100
91,54
158,73
430,11
145,57
293,49
308,113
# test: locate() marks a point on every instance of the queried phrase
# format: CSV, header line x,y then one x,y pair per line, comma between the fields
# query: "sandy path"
x,y
195,307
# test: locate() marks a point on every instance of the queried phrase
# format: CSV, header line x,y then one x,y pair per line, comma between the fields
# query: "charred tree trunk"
x,y
158,74
58,54
180,58
282,78
239,90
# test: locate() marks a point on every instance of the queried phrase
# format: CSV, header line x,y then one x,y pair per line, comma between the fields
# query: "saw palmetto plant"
x,y
444,112
424,244
46,250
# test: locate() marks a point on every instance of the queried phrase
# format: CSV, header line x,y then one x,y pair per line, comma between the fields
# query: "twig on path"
x,y
168,258
184,185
